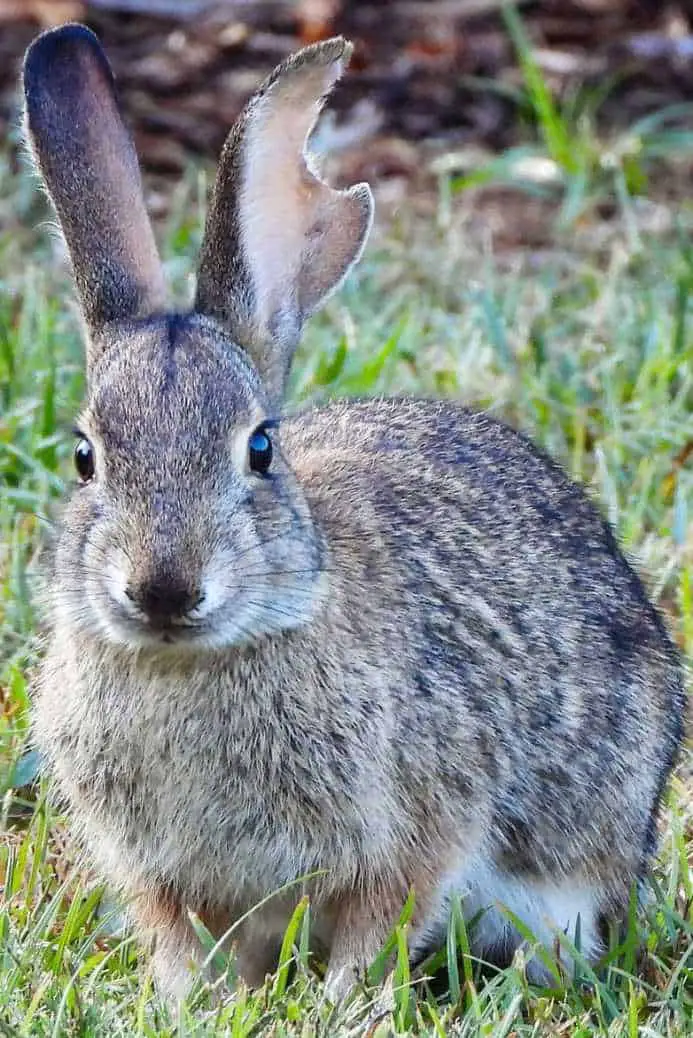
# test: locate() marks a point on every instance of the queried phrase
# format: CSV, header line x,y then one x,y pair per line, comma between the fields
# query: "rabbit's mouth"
x,y
171,631
181,635
135,628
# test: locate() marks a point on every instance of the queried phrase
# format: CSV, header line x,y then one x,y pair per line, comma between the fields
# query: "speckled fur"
x,y
428,664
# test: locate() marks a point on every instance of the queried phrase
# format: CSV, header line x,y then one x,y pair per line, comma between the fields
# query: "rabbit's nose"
x,y
164,597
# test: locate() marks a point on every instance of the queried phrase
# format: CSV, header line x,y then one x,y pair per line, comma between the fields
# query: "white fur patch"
x,y
546,909
215,591
116,583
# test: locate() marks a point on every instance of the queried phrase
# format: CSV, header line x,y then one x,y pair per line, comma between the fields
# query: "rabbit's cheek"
x,y
248,594
214,596
115,583
113,610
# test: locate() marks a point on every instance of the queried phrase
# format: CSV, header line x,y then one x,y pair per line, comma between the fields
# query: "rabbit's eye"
x,y
260,451
84,460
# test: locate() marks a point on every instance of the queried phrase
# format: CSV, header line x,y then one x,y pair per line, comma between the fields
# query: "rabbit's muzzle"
x,y
164,597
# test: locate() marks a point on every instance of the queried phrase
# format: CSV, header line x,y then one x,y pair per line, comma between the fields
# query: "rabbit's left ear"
x,y
278,239
89,166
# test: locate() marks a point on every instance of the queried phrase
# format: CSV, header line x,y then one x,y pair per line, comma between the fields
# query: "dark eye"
x,y
259,451
84,460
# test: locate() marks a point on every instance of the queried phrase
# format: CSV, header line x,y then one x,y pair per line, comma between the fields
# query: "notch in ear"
x,y
90,169
278,239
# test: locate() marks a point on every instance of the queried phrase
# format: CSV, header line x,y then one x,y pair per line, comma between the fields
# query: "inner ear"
x,y
300,236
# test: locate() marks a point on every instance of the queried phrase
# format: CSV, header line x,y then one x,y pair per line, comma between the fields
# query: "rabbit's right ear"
x,y
278,238
89,166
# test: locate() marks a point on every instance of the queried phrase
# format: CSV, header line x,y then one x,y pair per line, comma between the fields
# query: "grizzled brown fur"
x,y
408,654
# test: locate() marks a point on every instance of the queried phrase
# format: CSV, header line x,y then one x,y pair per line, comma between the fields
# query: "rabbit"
x,y
357,650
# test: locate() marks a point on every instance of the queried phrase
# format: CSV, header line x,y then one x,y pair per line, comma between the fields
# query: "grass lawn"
x,y
588,345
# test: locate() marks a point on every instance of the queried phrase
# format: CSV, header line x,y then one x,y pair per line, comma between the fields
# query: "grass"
x,y
590,349
569,156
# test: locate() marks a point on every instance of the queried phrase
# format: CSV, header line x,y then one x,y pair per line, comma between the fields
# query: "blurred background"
x,y
430,78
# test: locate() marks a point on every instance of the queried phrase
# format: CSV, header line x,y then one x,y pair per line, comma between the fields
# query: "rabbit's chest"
x,y
216,788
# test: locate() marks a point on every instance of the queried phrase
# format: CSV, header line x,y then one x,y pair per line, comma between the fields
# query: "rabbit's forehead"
x,y
171,381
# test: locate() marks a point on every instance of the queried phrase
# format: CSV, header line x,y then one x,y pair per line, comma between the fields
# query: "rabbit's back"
x,y
532,654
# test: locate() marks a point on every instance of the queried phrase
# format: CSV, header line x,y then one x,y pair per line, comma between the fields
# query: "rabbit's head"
x,y
188,527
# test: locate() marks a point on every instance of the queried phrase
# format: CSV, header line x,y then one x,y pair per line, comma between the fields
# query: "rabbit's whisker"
x,y
270,607
304,571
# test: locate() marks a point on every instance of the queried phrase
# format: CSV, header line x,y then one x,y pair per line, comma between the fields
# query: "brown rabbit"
x,y
387,641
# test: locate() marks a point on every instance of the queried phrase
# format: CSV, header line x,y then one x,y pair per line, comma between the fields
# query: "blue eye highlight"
x,y
259,451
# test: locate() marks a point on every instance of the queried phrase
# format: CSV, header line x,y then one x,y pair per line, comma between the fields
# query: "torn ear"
x,y
279,239
89,166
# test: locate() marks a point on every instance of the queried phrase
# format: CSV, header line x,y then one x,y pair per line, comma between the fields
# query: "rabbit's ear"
x,y
278,239
89,166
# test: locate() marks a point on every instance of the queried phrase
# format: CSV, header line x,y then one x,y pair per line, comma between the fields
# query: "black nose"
x,y
164,597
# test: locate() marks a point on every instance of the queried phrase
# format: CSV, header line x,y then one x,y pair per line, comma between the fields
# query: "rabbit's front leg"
x,y
177,953
361,926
